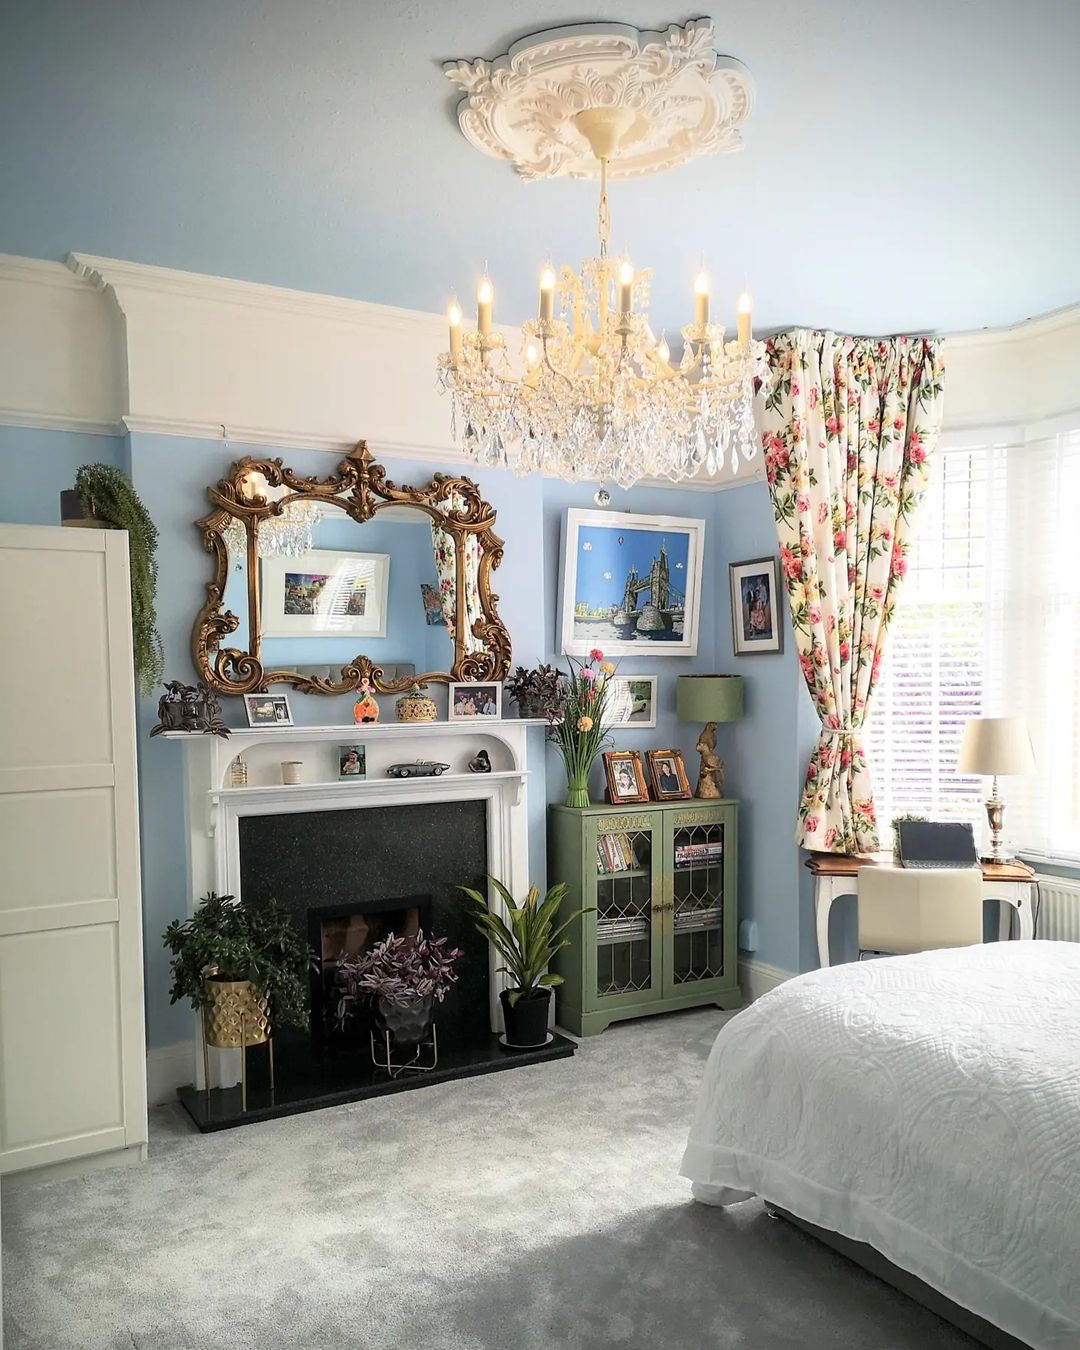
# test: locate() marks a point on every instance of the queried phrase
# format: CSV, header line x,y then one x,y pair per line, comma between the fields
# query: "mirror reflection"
x,y
329,588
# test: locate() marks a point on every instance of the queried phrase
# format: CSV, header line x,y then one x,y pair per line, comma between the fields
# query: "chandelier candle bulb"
x,y
744,308
484,295
626,288
701,299
454,317
547,294
663,351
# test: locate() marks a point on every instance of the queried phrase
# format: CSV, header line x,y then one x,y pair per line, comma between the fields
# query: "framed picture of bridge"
x,y
630,584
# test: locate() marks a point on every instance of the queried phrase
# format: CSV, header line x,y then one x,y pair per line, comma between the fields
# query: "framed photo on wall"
x,y
625,778
630,584
325,594
473,702
667,774
756,617
631,701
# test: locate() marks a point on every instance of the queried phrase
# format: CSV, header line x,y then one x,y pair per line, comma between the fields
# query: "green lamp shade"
x,y
709,698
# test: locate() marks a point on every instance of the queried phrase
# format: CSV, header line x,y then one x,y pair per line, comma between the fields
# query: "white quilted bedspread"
x,y
928,1105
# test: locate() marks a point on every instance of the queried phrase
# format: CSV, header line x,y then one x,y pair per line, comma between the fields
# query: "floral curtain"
x,y
848,429
446,573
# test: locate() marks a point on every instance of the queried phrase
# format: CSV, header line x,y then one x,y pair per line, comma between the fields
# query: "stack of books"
x,y
626,929
702,855
711,916
615,853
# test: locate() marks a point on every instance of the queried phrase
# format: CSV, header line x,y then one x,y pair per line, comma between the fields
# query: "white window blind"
x,y
988,623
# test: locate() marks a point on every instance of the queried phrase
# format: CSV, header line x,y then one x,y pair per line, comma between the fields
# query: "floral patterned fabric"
x,y
446,571
849,426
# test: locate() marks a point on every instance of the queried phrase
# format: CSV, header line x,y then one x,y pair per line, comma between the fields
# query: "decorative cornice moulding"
x,y
688,100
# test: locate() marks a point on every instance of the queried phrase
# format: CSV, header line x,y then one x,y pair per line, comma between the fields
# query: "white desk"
x,y
835,875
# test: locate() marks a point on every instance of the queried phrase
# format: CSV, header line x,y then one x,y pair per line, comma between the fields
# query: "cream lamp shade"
x,y
709,698
996,745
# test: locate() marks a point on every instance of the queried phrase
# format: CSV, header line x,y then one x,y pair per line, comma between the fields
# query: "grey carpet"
x,y
522,1211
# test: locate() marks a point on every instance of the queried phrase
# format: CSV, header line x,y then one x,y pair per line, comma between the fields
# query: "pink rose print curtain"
x,y
848,429
446,574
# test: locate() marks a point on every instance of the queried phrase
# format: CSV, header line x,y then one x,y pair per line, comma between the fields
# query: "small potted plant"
x,y
527,946
405,977
536,692
244,967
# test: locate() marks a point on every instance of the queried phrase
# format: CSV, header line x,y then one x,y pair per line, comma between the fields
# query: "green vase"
x,y
577,789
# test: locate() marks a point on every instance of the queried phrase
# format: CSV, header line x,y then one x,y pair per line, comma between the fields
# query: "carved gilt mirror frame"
x,y
361,489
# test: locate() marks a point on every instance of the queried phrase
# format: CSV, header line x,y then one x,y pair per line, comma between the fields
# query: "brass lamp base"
x,y
995,818
710,783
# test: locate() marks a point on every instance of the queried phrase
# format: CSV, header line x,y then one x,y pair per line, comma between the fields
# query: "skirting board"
x,y
757,978
167,1068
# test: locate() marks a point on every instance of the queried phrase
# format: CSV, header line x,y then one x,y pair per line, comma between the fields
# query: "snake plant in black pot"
x,y
526,945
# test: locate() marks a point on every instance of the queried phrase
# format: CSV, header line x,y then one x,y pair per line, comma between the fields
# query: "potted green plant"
x,y
106,498
526,945
244,967
536,692
405,977
577,726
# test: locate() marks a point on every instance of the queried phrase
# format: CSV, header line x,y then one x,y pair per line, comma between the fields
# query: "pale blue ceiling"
x,y
910,164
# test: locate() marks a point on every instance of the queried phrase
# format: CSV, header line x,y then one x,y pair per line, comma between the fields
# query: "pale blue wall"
x,y
765,753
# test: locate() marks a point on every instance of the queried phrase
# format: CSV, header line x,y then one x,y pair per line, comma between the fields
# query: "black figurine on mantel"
x,y
480,762
189,707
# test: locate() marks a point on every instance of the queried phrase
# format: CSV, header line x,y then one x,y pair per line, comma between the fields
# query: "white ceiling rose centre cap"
x,y
559,101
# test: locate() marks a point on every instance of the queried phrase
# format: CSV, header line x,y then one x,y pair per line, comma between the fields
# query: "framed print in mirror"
x,y
625,777
474,702
631,701
267,710
668,775
325,594
630,584
756,617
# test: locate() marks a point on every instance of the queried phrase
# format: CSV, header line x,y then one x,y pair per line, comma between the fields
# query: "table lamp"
x,y
709,699
993,746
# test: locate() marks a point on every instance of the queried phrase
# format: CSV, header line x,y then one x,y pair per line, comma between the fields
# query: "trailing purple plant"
x,y
399,969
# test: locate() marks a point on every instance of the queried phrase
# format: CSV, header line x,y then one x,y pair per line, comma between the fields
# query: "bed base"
x,y
872,1260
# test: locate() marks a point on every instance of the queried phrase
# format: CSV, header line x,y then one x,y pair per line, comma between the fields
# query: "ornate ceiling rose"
x,y
531,107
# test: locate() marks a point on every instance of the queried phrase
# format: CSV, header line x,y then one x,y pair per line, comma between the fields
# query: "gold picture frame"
x,y
625,777
667,775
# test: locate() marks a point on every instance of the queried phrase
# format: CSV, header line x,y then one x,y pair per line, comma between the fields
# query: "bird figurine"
x,y
480,762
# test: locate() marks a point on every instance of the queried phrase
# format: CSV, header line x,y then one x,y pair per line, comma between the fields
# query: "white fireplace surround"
x,y
214,808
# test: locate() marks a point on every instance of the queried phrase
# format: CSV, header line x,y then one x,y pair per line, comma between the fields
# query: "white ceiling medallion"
x,y
527,107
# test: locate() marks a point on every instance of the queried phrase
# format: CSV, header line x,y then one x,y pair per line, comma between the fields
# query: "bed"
x,y
928,1106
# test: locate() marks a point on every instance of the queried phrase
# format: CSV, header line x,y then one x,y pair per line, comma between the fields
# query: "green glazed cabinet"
x,y
660,879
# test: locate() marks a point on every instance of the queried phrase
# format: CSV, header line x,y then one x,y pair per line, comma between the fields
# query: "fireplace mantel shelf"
x,y
353,785
464,727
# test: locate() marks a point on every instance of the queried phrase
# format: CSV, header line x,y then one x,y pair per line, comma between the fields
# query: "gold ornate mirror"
x,y
268,530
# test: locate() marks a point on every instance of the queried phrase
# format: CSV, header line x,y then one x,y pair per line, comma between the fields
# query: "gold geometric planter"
x,y
238,1015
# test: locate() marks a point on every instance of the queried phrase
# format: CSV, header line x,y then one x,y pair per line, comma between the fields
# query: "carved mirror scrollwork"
x,y
460,542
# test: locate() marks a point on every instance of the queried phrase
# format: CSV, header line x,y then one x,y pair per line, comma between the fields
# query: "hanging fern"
x,y
107,494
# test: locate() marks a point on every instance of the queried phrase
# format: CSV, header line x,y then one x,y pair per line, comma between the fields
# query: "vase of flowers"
x,y
404,977
577,725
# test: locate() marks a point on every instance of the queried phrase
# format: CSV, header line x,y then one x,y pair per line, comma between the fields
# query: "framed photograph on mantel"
x,y
756,615
325,594
630,584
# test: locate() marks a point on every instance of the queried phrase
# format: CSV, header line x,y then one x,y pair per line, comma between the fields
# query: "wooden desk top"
x,y
841,865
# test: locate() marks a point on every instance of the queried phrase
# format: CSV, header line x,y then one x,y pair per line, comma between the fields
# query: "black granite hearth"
x,y
304,1084
322,864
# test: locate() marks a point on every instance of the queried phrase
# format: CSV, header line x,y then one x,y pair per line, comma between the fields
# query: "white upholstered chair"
x,y
918,909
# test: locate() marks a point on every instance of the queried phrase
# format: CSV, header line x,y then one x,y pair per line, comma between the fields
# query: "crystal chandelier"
x,y
595,395
287,535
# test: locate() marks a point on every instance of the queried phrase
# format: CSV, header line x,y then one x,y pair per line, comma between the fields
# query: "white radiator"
x,y
1059,909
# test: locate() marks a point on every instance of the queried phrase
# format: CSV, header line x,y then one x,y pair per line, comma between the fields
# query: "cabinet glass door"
x,y
697,921
626,959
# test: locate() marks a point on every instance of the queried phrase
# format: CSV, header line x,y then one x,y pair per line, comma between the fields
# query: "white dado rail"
x,y
215,808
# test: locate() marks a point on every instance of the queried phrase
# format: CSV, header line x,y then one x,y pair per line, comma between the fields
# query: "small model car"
x,y
417,768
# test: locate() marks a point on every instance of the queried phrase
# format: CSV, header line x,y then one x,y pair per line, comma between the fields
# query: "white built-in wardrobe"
x,y
72,1045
